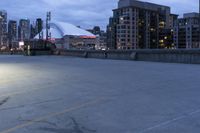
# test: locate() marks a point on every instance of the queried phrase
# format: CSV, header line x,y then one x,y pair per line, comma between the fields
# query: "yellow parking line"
x,y
50,115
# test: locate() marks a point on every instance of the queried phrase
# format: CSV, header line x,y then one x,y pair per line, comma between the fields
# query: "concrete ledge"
x,y
71,53
191,56
122,55
171,56
42,52
11,53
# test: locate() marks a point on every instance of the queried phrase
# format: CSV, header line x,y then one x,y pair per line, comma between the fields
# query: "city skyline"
x,y
80,12
99,66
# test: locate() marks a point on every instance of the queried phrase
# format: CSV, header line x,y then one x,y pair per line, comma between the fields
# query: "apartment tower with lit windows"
x,y
186,31
3,28
140,25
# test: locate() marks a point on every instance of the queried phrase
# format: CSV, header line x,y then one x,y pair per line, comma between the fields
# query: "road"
x,y
55,94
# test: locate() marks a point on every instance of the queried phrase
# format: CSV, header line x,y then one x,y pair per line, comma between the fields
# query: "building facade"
x,y
12,34
39,27
186,31
101,36
96,30
140,25
24,29
3,28
111,33
36,28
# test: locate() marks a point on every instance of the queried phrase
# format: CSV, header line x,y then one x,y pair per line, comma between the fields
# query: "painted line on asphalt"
x,y
31,104
50,115
171,121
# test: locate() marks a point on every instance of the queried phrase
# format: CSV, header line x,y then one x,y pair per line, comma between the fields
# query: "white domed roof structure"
x,y
61,29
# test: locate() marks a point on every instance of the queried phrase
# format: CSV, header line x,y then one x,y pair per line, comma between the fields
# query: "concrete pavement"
x,y
51,94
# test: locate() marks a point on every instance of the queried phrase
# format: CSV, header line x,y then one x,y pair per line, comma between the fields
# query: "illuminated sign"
x,y
87,37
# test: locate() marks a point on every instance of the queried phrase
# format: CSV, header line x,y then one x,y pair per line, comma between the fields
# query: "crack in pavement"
x,y
50,115
74,127
45,121
24,105
2,102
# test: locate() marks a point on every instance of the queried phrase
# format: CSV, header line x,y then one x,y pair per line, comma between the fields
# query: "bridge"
x,y
59,94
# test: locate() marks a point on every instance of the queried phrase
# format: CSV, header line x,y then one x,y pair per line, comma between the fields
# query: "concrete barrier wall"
x,y
10,53
32,53
172,56
38,53
70,53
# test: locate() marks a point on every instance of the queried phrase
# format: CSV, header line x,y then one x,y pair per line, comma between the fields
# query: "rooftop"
x,y
73,95
191,15
142,4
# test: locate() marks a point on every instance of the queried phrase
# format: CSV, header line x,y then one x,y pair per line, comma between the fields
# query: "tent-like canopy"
x,y
61,29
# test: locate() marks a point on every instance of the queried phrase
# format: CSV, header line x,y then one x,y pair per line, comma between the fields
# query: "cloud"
x,y
86,13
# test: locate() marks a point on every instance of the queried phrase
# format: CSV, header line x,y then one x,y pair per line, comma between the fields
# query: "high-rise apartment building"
x,y
36,28
140,25
12,33
111,33
33,31
39,27
199,22
24,29
3,28
186,31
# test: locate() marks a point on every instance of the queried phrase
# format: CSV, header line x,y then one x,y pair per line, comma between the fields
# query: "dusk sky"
x,y
85,13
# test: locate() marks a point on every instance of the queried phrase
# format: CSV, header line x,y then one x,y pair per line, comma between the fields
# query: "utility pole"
x,y
48,19
48,34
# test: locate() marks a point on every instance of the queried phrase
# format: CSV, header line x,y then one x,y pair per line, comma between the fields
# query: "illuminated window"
x,y
161,41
